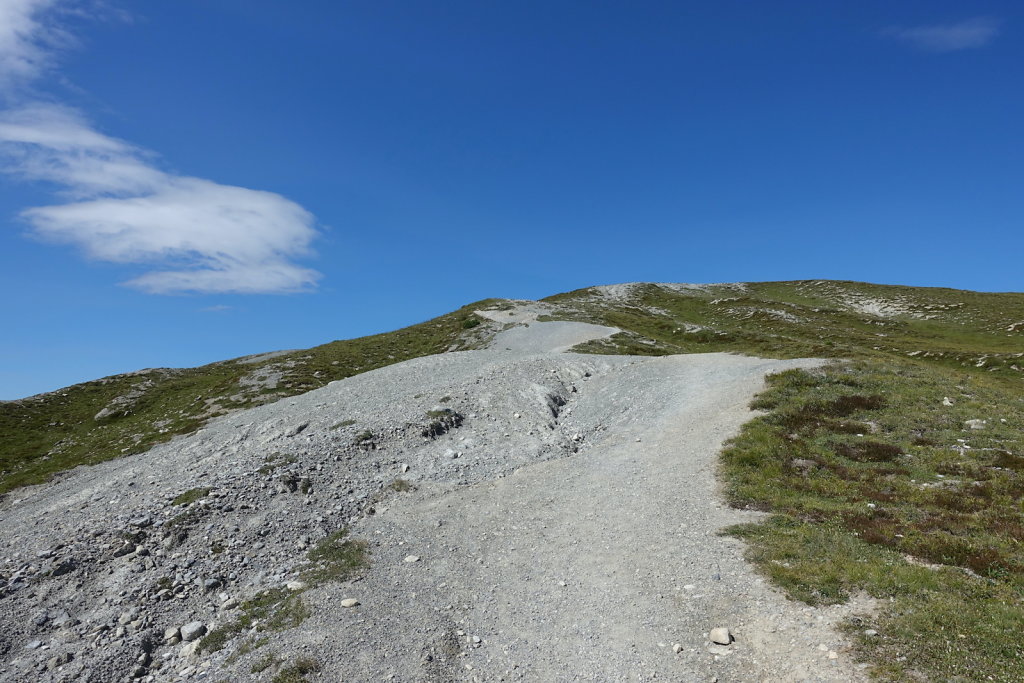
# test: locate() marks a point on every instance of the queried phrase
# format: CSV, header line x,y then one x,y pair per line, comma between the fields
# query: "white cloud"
x,y
24,39
200,236
976,32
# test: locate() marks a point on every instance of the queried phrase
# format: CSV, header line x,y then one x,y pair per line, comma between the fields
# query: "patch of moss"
x,y
191,496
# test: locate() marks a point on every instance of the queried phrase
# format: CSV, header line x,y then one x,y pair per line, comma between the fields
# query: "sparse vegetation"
x,y
297,670
265,662
275,609
343,424
275,460
186,518
441,422
335,558
401,486
191,496
247,646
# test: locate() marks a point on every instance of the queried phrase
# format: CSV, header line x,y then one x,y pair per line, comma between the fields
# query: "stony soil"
x,y
563,527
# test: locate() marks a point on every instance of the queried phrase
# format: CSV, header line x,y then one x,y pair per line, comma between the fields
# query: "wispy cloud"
x,y
25,40
963,35
120,206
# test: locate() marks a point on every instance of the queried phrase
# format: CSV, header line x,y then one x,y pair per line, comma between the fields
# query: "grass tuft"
x,y
296,671
335,558
191,496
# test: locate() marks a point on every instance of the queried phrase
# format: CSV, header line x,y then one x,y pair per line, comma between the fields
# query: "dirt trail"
x,y
593,567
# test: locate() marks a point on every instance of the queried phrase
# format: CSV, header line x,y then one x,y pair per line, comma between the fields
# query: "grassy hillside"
x,y
125,414
898,471
811,318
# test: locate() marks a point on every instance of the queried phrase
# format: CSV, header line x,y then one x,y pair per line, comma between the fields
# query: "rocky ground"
x,y
527,515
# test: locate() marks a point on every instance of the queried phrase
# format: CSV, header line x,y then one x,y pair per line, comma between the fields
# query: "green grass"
x,y
49,433
809,319
876,485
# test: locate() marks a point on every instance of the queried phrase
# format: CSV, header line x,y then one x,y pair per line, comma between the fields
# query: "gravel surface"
x,y
548,337
562,526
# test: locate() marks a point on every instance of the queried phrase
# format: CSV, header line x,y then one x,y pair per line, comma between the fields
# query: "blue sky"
x,y
192,180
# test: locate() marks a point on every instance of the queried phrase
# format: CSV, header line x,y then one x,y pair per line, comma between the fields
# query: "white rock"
x,y
349,602
411,558
720,635
677,648
190,649
975,424
296,585
192,630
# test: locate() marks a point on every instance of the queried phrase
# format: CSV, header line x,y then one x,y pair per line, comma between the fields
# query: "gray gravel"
x,y
564,529
548,337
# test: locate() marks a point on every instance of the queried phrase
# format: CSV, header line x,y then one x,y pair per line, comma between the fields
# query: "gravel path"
x,y
595,566
565,527
548,337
